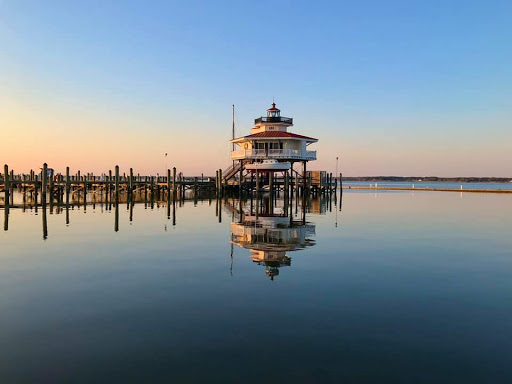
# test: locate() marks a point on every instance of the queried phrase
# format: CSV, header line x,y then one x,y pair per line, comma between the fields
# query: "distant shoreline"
x,y
430,179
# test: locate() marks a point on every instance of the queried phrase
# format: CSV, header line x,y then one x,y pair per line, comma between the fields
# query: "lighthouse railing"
x,y
273,119
273,154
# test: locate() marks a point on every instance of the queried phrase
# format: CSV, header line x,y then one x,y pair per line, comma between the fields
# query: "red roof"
x,y
278,134
273,108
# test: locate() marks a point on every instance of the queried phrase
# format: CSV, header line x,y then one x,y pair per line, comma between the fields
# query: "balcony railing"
x,y
291,154
279,119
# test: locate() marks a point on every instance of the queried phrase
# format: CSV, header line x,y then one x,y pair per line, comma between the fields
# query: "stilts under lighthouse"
x,y
270,148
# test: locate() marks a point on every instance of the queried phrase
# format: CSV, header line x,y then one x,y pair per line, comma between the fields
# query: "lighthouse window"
x,y
270,128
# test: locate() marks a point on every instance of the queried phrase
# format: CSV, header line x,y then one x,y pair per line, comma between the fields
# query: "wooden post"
x,y
304,179
116,206
341,191
45,221
85,193
67,186
152,196
45,181
6,184
174,179
168,183
217,180
291,180
240,184
286,192
286,184
36,190
117,184
109,184
11,183
6,215
257,193
131,181
271,185
221,187
50,186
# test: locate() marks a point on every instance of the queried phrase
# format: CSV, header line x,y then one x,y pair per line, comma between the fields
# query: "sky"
x,y
406,88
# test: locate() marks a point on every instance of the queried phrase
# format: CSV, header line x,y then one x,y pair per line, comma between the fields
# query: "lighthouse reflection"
x,y
271,235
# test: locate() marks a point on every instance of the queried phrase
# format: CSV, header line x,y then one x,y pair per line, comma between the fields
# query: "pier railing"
x,y
292,154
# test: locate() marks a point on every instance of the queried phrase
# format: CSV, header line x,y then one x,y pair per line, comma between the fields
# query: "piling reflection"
x,y
269,227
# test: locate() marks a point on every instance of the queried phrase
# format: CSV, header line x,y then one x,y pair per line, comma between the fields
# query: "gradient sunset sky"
x,y
390,87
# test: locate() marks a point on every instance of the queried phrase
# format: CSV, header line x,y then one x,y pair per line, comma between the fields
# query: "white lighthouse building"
x,y
270,147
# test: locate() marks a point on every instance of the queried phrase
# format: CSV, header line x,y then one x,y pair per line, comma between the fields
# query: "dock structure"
x,y
268,158
46,185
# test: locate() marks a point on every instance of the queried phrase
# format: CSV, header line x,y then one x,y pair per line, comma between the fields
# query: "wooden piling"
x,y
174,179
286,184
116,206
44,218
109,184
45,181
240,183
6,183
130,191
117,184
168,182
257,193
67,187
50,186
304,177
221,192
341,191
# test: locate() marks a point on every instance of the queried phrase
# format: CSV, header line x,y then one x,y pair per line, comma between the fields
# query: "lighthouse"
x,y
270,147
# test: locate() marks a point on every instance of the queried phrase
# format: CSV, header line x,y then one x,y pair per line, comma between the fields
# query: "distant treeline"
x,y
432,179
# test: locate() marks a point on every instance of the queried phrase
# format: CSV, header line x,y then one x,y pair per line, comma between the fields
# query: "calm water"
x,y
392,287
433,185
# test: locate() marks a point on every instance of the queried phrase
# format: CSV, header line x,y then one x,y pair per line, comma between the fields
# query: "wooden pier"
x,y
46,186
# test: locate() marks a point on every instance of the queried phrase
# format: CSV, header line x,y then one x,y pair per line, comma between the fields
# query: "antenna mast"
x,y
233,133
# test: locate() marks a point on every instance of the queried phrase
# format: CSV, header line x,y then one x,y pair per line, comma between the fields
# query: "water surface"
x,y
389,286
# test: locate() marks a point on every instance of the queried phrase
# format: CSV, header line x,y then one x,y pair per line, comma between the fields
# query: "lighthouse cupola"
x,y
273,111
272,122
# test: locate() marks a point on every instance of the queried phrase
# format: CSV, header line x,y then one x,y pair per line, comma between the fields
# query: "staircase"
x,y
231,171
